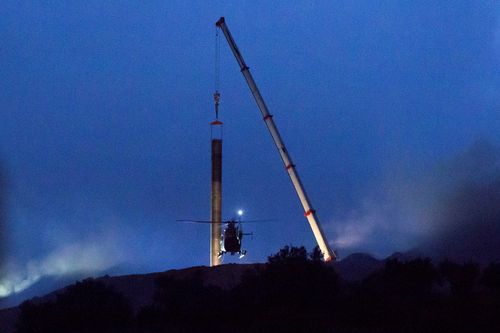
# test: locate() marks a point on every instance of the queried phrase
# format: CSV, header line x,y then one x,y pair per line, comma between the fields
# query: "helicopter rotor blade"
x,y
198,221
223,222
255,221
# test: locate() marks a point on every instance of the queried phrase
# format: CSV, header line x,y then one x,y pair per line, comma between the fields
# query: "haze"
x,y
387,108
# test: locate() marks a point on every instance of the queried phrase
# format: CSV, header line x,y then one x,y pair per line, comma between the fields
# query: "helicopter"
x,y
232,235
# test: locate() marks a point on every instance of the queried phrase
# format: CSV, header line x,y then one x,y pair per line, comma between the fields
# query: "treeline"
x,y
294,292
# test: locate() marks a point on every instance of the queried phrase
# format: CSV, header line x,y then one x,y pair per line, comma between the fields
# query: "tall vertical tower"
x,y
216,212
216,197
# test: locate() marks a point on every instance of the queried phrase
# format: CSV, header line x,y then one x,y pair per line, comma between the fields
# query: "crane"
x,y
309,212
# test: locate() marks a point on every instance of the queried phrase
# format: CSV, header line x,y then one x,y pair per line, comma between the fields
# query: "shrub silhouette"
x,y
291,289
183,305
396,297
462,278
293,292
491,278
87,306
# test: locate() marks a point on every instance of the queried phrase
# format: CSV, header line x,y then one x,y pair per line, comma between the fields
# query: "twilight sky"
x,y
105,142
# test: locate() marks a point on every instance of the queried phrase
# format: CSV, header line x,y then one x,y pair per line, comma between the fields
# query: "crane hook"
x,y
216,101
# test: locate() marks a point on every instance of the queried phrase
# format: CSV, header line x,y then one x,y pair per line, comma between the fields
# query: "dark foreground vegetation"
x,y
294,292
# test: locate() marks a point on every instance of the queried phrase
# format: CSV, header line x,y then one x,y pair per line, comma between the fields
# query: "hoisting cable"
x,y
217,73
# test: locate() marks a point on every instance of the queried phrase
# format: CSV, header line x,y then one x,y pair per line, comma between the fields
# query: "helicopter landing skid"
x,y
241,253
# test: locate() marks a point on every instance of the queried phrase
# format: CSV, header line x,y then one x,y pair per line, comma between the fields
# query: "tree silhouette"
x,y
316,254
289,255
294,292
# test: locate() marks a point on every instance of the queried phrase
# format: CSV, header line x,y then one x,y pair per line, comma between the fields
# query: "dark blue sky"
x,y
104,135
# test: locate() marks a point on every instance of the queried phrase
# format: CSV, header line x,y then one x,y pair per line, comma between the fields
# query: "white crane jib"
x,y
309,212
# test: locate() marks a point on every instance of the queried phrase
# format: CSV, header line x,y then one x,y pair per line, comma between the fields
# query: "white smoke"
x,y
353,231
450,211
84,257
380,226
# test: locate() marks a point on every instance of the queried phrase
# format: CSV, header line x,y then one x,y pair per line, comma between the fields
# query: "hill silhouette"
x,y
293,292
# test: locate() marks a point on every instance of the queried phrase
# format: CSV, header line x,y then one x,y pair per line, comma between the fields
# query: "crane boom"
x,y
310,213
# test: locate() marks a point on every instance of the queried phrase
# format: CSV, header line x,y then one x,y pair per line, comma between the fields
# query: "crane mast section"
x,y
310,213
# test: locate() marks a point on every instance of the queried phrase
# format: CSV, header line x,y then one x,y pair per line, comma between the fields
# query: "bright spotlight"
x,y
240,212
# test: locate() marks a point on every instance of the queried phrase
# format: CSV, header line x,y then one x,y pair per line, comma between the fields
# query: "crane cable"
x,y
217,73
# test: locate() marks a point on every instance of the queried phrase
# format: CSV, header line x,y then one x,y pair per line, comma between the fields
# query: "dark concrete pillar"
x,y
216,214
